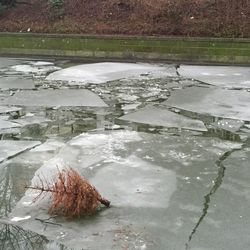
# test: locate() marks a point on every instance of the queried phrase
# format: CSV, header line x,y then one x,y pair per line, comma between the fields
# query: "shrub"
x,y
55,3
55,9
2,8
7,2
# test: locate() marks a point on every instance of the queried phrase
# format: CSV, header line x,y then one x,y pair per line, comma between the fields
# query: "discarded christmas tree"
x,y
72,195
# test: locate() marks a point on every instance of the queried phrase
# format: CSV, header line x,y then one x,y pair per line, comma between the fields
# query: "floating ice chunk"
x,y
128,98
7,124
83,151
132,106
135,183
41,63
229,125
16,219
104,72
29,120
36,157
205,73
29,114
100,147
27,69
48,171
49,145
27,203
11,148
6,62
24,68
232,104
162,117
137,188
4,117
218,75
226,145
6,110
13,82
96,140
247,126
130,178
52,98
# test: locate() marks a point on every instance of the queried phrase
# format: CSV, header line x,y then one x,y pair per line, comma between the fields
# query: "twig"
x,y
45,221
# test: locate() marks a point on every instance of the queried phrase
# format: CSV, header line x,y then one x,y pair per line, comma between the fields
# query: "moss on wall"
x,y
158,48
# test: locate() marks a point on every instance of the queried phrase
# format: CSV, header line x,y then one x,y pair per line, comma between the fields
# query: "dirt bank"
x,y
213,18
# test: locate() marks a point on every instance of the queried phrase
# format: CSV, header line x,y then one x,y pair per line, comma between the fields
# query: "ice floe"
x,y
8,124
104,72
10,148
6,109
222,103
14,82
227,76
157,116
144,175
52,98
35,69
6,62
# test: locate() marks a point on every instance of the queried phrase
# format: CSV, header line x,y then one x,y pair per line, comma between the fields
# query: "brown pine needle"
x,y
72,195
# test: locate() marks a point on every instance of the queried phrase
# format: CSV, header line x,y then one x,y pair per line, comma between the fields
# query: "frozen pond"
x,y
168,146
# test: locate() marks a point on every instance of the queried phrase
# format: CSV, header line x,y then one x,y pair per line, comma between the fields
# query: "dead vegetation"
x,y
215,18
72,195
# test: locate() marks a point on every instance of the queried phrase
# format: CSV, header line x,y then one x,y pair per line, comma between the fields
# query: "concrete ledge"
x,y
196,50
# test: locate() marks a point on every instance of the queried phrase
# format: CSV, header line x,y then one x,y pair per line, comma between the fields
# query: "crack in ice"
x,y
217,183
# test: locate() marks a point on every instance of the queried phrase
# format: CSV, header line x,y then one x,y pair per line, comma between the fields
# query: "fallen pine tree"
x,y
72,194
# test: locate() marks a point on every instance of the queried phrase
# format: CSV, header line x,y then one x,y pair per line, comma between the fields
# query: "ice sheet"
x,y
31,120
232,104
136,176
6,62
144,176
13,82
228,217
105,72
11,148
34,158
52,98
41,63
49,145
162,117
161,184
229,125
228,76
35,68
7,124
6,109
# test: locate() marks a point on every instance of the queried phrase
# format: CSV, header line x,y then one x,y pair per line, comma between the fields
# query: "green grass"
x,y
197,49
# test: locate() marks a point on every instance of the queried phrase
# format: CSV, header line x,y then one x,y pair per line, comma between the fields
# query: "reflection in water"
x,y
60,122
5,193
12,185
15,238
223,134
12,182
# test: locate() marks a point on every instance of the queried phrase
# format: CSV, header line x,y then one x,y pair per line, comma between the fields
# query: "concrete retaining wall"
x,y
196,50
